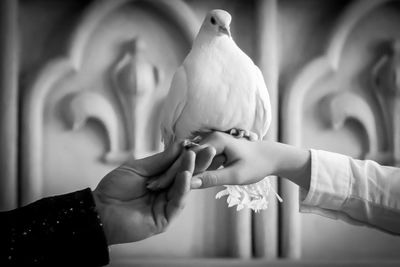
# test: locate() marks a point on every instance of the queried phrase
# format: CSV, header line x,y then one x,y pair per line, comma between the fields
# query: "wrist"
x,y
101,211
293,163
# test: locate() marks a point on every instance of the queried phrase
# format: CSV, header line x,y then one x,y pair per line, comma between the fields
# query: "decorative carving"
x,y
87,105
134,79
344,106
386,89
386,84
324,66
80,104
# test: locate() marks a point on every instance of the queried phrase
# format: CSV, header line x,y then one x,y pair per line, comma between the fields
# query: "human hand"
x,y
247,162
205,159
129,210
243,161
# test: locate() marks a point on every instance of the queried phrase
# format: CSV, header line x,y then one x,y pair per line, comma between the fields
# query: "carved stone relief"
x,y
112,76
85,112
134,82
386,88
345,101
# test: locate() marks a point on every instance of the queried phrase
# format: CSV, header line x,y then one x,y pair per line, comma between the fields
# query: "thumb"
x,y
214,178
157,163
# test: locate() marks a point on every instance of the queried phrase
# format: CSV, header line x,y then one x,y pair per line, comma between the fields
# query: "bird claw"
x,y
253,137
189,143
239,133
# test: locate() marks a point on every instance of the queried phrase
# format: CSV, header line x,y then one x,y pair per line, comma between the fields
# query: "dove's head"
x,y
218,22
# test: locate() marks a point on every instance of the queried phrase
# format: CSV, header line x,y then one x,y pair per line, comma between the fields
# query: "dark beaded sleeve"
x,y
59,230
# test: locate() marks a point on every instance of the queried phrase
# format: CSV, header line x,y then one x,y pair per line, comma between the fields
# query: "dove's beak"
x,y
225,30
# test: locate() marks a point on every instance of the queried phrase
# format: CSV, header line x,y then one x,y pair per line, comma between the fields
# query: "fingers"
x,y
157,163
160,218
217,162
204,158
218,140
178,192
222,176
165,179
168,204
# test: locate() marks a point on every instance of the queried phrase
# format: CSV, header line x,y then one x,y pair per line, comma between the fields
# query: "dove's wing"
x,y
263,105
173,105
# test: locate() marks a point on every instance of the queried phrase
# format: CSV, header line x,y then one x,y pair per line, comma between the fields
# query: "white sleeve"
x,y
356,191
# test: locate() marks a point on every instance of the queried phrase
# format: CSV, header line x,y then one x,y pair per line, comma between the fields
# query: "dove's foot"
x,y
239,133
189,143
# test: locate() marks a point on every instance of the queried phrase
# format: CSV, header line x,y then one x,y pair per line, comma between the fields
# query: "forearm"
x,y
247,162
52,231
356,191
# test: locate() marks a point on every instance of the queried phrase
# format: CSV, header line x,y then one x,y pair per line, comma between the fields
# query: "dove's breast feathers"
x,y
218,87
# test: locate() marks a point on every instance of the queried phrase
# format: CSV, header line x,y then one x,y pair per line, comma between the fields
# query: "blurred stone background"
x,y
83,83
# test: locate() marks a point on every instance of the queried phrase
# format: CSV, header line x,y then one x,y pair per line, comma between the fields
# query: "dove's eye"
x,y
213,22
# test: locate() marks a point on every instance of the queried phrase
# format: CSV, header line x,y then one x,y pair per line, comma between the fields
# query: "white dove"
x,y
219,88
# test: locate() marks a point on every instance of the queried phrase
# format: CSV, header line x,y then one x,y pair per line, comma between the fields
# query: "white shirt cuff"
x,y
330,181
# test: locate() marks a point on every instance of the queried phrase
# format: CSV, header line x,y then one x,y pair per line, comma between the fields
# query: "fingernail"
x,y
197,139
153,185
189,144
196,183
